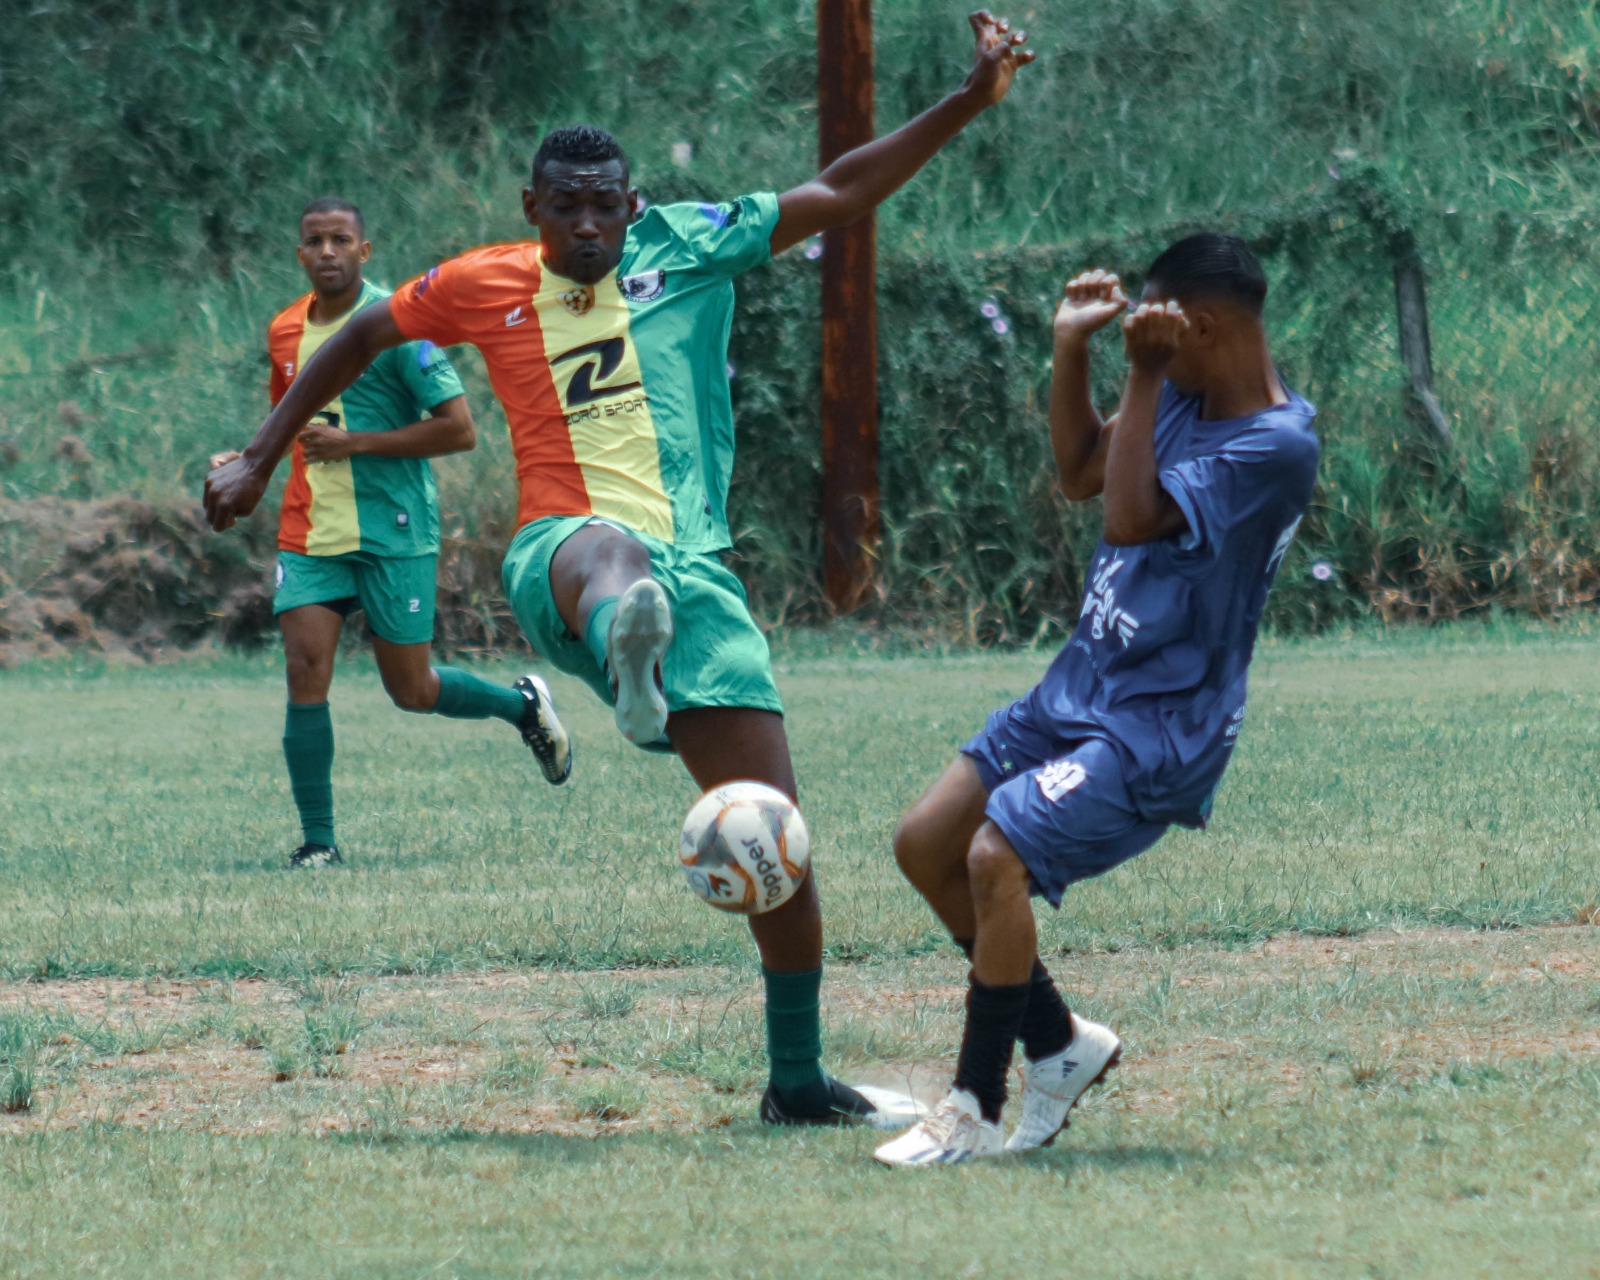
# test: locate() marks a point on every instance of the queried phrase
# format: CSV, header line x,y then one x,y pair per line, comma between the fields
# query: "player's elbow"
x,y
1120,530
1077,488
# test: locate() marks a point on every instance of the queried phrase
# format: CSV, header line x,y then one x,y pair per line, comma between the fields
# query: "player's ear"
x,y
530,206
366,251
1202,327
633,203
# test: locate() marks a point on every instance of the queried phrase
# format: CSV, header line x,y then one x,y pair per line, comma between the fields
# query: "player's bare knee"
x,y
911,845
309,675
992,864
409,694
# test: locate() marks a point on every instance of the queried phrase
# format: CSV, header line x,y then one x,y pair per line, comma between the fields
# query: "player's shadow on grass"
x,y
1114,1156
570,1148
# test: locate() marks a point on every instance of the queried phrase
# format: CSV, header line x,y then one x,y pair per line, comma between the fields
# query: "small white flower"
x,y
813,249
1000,325
1322,571
990,310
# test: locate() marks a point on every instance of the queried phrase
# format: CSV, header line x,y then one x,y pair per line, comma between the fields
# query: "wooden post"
x,y
850,527
1416,345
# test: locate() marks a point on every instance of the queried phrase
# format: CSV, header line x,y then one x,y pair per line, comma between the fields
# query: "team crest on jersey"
x,y
647,286
579,301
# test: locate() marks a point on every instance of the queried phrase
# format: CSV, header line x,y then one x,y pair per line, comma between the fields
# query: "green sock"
x,y
794,1031
308,747
466,697
597,631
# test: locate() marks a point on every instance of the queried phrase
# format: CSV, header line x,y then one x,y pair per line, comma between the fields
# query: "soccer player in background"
x,y
360,526
1205,469
606,340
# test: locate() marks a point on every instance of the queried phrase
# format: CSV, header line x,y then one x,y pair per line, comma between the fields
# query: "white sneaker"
x,y
955,1132
641,630
1052,1085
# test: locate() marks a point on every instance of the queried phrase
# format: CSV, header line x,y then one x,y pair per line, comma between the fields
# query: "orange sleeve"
x,y
428,306
277,384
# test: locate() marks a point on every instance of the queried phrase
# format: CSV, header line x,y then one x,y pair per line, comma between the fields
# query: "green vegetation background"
x,y
157,153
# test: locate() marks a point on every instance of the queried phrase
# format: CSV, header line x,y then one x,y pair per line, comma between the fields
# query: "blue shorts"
x,y
1063,803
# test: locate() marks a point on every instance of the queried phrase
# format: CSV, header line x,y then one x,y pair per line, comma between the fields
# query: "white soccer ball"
x,y
745,848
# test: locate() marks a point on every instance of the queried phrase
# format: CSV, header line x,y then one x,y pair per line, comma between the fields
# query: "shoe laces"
x,y
943,1123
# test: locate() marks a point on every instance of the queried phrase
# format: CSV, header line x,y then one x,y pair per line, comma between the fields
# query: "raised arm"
x,y
1137,508
1078,437
235,487
860,180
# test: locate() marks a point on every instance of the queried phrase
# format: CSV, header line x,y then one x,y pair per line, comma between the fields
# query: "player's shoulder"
x,y
692,220
512,264
292,317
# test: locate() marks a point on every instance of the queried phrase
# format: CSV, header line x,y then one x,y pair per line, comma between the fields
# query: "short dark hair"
x,y
1210,265
577,144
333,204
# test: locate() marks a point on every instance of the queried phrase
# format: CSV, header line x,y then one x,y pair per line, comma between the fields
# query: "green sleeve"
x,y
730,237
427,374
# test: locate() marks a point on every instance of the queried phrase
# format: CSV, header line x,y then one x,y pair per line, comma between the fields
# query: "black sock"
x,y
1047,1023
994,1017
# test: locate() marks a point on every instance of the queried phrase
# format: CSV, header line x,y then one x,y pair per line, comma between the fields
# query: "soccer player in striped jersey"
x,y
360,527
606,340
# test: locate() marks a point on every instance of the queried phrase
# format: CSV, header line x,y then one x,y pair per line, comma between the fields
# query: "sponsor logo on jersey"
x,y
593,363
719,216
579,301
1235,723
1059,777
514,317
1100,606
647,286
423,285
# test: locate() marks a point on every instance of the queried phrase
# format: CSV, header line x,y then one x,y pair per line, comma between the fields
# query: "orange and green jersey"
x,y
385,506
616,393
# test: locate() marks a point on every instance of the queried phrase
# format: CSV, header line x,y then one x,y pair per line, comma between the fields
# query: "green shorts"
x,y
718,657
397,592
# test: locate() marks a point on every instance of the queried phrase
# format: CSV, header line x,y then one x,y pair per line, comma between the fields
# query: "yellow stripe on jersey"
x,y
596,372
335,522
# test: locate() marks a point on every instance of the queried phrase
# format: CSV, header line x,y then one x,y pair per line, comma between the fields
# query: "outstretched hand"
x,y
233,488
997,57
1090,301
1151,334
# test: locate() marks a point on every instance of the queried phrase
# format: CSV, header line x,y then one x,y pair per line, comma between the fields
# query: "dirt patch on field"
x,y
125,577
673,1049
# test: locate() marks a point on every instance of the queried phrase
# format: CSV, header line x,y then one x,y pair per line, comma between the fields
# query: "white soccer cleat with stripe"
x,y
955,1133
1053,1085
641,632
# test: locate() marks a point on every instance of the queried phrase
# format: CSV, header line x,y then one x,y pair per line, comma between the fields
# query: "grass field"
x,y
1360,1011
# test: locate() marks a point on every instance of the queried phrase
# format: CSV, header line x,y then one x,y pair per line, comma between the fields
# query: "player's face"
x,y
332,252
582,211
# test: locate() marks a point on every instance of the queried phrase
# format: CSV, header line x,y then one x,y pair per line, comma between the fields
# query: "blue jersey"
x,y
1157,663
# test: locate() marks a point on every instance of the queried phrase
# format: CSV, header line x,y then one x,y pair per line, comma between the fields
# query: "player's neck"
x,y
327,307
1246,384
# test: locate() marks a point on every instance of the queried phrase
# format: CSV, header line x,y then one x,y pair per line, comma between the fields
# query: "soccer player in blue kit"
x,y
1205,469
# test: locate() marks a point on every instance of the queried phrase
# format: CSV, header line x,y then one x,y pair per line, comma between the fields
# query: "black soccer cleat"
x,y
312,856
878,1108
542,731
